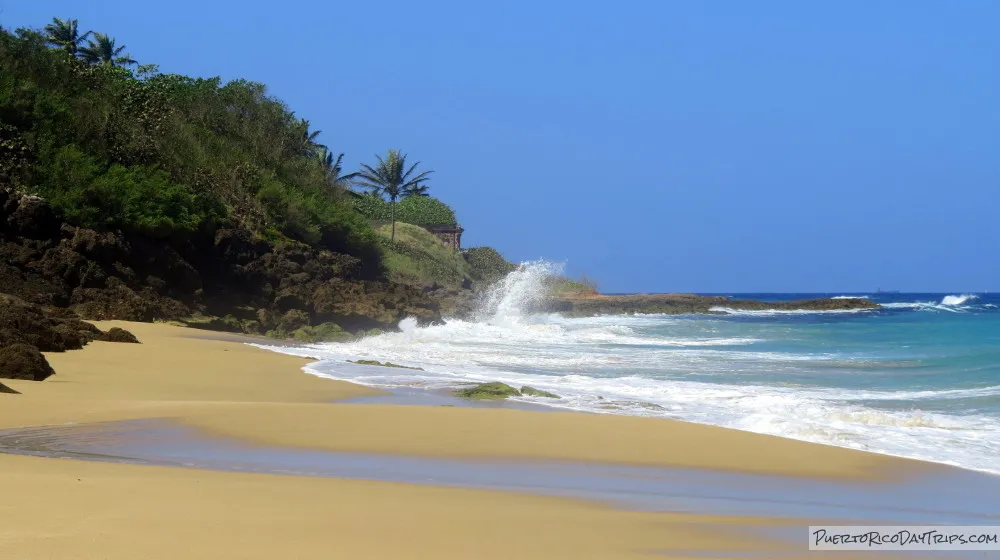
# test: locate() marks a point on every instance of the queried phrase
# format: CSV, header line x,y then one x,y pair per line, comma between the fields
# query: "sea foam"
x,y
763,377
958,300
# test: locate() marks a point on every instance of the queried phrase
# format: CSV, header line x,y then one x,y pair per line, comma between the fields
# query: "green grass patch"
x,y
419,258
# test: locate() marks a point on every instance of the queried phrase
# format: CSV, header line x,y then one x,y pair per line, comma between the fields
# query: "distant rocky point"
x,y
589,305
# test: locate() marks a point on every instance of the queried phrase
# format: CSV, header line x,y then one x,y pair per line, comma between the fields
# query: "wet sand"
x,y
55,508
950,496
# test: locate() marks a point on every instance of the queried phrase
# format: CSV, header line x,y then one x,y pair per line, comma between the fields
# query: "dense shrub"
x,y
486,265
165,155
140,199
417,210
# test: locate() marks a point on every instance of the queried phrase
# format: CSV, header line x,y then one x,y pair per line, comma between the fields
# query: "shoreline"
x,y
417,396
263,405
256,398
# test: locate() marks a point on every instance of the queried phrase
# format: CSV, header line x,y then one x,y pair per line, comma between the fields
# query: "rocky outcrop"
x,y
116,334
488,391
27,330
6,389
46,330
23,361
251,285
529,391
685,303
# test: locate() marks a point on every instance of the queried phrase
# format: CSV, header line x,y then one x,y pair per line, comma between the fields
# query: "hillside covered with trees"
x,y
127,193
163,155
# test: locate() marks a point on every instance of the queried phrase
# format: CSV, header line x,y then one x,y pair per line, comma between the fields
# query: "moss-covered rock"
x,y
116,334
23,361
489,391
383,364
324,332
529,391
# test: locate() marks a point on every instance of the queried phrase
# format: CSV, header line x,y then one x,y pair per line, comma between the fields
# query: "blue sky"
x,y
712,146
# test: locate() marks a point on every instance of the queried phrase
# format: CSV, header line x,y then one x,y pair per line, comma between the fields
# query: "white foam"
x,y
696,369
773,312
849,297
827,416
958,300
922,306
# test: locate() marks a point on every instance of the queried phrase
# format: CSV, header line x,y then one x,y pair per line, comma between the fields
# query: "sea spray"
x,y
506,301
958,300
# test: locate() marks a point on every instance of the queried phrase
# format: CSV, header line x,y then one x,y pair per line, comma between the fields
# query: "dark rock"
x,y
108,275
118,301
490,391
116,334
159,285
105,248
292,320
238,246
289,299
34,219
6,389
21,322
23,361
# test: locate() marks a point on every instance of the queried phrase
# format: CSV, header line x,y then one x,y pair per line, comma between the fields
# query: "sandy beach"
x,y
77,509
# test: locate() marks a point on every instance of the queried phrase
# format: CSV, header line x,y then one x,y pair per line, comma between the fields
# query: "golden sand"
x,y
56,508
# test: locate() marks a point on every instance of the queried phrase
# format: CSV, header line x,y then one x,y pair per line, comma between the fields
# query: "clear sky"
x,y
697,145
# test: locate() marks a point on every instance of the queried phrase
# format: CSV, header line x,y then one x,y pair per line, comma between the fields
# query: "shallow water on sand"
x,y
939,496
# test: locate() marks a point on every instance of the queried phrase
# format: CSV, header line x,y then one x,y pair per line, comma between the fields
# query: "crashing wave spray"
x,y
958,300
505,301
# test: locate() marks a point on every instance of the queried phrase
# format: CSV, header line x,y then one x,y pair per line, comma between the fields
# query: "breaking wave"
x,y
776,377
958,300
775,312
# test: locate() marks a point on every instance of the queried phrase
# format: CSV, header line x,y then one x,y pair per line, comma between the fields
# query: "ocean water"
x,y
919,378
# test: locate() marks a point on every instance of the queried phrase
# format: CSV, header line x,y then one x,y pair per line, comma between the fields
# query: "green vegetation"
x,y
418,258
113,145
562,286
102,50
383,364
416,210
488,391
391,178
324,332
486,265
65,35
529,391
165,155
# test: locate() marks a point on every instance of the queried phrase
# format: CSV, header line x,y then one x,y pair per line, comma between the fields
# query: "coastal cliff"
x,y
255,286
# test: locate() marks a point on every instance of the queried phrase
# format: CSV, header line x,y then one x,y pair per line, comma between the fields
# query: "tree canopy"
x,y
164,155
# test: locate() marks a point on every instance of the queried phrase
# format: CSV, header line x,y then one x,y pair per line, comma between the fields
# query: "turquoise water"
x,y
919,378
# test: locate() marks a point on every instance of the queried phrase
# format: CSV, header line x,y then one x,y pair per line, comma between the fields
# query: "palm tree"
x,y
102,50
391,178
307,140
332,167
65,34
417,190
